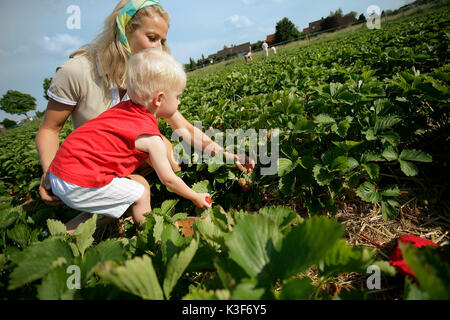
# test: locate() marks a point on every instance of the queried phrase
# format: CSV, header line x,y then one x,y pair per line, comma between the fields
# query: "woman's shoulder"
x,y
78,69
72,79
78,62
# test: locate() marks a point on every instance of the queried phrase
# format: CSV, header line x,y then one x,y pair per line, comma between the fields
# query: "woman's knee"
x,y
140,179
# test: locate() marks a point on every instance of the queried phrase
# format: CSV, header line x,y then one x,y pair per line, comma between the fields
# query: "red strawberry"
x,y
335,289
242,182
208,200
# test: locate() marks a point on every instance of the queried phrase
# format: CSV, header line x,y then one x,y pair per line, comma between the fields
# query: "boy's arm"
x,y
155,147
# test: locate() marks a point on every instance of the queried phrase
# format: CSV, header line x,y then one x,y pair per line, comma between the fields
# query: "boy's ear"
x,y
158,99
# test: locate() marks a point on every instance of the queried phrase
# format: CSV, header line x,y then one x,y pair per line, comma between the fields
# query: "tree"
x,y
192,64
15,102
203,60
354,14
362,18
200,61
8,123
256,46
285,30
46,85
338,13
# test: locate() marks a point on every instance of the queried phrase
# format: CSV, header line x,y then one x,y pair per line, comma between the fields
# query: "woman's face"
x,y
151,33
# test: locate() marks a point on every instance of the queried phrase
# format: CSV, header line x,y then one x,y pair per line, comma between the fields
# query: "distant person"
x,y
273,50
265,48
248,56
89,171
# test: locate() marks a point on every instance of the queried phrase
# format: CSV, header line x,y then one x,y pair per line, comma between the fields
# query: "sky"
x,y
38,35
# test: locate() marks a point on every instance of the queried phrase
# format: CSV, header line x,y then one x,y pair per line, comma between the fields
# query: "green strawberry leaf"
x,y
408,168
415,155
367,192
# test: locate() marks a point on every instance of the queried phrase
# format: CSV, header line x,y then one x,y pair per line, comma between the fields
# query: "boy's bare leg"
x,y
142,205
72,225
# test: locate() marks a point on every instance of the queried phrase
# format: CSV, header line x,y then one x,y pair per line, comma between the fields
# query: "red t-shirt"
x,y
103,148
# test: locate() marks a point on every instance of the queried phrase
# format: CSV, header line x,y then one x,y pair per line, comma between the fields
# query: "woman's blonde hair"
x,y
108,52
150,71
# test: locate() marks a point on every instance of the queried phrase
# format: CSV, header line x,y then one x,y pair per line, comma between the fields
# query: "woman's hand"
x,y
201,201
243,162
45,190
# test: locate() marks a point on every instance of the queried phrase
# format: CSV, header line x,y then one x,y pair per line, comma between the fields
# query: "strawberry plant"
x,y
353,116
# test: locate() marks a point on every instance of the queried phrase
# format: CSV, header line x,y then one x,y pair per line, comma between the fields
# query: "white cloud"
x,y
236,21
61,44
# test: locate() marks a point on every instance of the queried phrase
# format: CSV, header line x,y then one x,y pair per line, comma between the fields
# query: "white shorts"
x,y
111,200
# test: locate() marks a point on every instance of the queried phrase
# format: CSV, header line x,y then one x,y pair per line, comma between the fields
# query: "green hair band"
x,y
126,14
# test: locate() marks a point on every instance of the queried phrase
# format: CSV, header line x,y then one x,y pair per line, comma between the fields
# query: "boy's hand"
x,y
202,200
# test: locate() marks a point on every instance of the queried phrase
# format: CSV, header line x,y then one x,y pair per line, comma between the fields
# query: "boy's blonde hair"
x,y
109,53
151,71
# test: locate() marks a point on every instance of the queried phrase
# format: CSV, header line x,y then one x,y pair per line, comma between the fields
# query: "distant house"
x,y
270,39
346,20
2,128
234,50
341,21
314,26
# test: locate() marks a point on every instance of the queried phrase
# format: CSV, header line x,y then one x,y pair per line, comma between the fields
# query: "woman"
x,y
93,80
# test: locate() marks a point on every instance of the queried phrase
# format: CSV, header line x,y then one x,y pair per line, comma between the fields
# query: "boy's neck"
x,y
150,107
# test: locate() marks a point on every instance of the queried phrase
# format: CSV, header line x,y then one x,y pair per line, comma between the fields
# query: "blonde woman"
x,y
94,79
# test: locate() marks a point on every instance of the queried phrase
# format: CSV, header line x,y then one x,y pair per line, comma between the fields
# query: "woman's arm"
x,y
47,143
192,135
195,137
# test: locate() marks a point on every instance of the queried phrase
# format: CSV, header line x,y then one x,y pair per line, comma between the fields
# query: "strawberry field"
x,y
363,126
